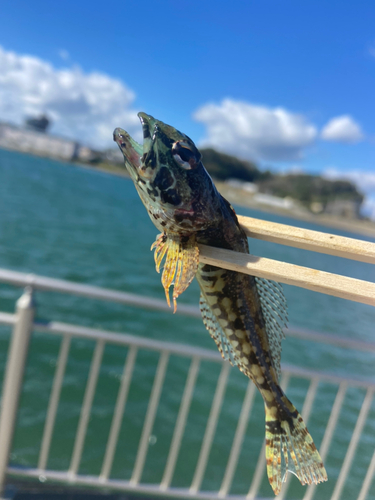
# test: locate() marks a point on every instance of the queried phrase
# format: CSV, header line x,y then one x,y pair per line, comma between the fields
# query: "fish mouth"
x,y
133,151
130,148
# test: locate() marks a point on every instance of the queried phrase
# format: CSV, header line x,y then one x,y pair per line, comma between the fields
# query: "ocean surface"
x,y
69,222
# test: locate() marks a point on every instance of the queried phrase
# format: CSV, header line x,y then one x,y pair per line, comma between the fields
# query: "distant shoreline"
x,y
240,197
361,227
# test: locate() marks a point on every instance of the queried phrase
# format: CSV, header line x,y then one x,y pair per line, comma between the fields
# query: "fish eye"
x,y
184,156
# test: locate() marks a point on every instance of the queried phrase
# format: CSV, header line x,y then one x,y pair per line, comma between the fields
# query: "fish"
x,y
245,315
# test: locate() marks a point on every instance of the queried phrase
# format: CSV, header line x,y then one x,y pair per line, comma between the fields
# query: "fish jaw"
x,y
137,157
131,150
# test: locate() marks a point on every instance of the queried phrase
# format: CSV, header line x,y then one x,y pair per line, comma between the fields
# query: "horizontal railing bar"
x,y
318,281
328,338
117,484
21,279
295,371
127,339
7,318
291,331
43,283
57,328
331,244
179,349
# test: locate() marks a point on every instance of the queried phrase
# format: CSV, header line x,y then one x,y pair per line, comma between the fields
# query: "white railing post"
x,y
15,366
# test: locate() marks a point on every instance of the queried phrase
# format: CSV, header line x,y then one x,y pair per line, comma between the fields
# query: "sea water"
x,y
65,221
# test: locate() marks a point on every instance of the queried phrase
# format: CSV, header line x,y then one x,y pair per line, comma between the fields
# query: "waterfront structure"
x,y
350,209
28,140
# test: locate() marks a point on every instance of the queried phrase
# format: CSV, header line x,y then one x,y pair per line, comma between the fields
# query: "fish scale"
x,y
244,315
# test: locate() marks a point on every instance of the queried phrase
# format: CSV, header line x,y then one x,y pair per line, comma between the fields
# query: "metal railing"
x,y
23,324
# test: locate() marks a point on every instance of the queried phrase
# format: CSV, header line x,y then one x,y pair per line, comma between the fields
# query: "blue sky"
x,y
287,83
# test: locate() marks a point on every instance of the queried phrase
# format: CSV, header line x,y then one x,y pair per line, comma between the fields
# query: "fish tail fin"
x,y
289,447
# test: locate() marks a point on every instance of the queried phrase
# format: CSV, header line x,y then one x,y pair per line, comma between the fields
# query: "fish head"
x,y
169,176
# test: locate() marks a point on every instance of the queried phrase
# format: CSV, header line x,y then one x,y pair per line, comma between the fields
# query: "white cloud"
x,y
83,106
255,132
342,129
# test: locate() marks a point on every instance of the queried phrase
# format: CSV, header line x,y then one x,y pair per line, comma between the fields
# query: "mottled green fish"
x,y
244,315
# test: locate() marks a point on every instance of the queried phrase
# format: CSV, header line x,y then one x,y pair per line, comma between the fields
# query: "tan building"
x,y
39,143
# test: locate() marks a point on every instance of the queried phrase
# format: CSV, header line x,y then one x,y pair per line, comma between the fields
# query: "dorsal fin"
x,y
275,313
217,333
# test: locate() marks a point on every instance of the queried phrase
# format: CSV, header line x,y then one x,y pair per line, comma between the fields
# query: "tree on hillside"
x,y
223,166
310,188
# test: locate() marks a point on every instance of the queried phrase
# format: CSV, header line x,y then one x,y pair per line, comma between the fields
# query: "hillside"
x,y
309,189
222,166
312,191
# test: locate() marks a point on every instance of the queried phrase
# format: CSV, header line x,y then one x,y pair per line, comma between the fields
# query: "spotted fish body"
x,y
244,315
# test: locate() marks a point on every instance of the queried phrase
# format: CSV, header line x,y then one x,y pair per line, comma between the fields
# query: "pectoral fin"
x,y
181,262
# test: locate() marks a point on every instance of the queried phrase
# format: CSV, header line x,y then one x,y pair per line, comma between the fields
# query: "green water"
x,y
68,222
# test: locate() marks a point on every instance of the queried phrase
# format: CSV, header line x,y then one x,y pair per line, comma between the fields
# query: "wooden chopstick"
x,y
307,239
291,274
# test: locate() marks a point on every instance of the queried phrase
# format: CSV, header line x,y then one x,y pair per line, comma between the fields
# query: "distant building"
x,y
274,201
344,208
32,141
316,207
113,155
38,124
39,143
250,187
